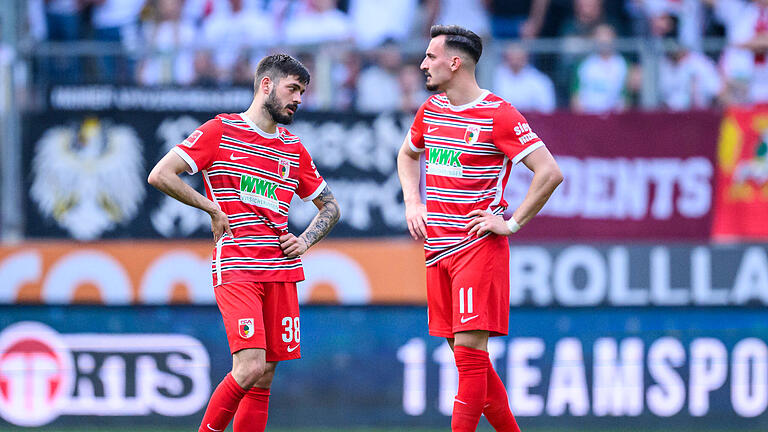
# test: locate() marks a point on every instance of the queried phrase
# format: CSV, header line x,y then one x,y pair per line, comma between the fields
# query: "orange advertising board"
x,y
154,272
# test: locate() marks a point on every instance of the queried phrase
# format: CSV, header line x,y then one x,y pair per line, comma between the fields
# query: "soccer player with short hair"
x,y
252,168
472,138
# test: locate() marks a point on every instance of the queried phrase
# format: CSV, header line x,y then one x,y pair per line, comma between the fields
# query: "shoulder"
x,y
287,137
435,101
501,108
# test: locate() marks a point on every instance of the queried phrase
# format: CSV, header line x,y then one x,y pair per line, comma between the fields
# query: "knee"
x,y
248,373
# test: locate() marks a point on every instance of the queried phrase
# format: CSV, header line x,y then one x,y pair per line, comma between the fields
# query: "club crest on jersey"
x,y
471,134
245,327
192,138
283,168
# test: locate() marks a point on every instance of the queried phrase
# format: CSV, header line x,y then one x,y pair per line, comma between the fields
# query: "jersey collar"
x,y
468,104
257,129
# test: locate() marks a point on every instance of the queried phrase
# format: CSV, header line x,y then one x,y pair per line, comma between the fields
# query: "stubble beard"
x,y
274,108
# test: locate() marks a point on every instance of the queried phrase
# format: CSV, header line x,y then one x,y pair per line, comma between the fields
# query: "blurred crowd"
x,y
377,45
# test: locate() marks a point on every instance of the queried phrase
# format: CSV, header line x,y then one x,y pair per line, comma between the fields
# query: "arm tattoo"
x,y
325,219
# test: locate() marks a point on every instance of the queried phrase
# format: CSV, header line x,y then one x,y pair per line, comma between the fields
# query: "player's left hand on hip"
x,y
484,222
293,246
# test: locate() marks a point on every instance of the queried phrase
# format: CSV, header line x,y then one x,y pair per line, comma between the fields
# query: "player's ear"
x,y
455,63
265,86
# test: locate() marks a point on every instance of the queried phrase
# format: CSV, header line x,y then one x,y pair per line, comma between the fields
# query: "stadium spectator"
x,y
376,21
344,76
681,19
517,19
412,92
600,79
62,24
521,84
470,14
236,25
6,58
688,80
316,22
116,21
587,15
170,41
205,70
744,62
378,86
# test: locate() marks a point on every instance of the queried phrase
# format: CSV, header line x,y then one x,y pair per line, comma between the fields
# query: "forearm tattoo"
x,y
325,219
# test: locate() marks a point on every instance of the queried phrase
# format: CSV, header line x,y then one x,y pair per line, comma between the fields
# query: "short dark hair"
x,y
277,66
459,38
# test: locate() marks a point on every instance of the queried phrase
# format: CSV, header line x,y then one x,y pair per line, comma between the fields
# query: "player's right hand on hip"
x,y
220,225
416,216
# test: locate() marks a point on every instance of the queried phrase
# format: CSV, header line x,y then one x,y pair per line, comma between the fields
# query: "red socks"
x,y
222,405
253,410
497,404
468,405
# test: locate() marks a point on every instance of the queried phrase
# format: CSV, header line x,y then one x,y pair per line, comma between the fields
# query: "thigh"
x,y
480,287
281,321
241,307
439,304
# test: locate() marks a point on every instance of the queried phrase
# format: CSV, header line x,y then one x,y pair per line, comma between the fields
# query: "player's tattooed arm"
x,y
327,216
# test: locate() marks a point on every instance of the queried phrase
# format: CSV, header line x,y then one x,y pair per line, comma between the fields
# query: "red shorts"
x,y
261,315
469,290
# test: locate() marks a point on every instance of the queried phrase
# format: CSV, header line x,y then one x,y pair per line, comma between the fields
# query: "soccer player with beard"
x,y
252,168
472,138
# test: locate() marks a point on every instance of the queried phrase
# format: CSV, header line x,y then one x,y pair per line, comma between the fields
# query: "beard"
x,y
275,109
432,87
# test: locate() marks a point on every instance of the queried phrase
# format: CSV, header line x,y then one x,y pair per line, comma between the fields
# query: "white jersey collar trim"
x,y
257,129
468,104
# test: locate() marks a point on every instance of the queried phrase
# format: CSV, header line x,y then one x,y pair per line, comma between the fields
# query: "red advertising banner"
x,y
632,176
741,195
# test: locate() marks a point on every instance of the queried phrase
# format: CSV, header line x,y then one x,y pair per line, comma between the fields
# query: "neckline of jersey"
x,y
479,99
257,129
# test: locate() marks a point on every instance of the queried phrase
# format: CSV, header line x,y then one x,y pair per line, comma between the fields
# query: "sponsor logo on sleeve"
x,y
524,133
192,138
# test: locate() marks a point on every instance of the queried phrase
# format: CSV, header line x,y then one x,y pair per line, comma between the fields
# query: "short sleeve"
x,y
311,183
512,134
416,133
201,146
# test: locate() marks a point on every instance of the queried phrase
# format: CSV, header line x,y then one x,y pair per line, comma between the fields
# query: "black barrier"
x,y
85,173
375,366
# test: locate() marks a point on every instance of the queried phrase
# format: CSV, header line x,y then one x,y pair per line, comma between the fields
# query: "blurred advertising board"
x,y
616,368
741,201
386,271
640,176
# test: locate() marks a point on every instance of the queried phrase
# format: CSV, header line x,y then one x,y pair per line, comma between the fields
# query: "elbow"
x,y
155,178
336,212
555,177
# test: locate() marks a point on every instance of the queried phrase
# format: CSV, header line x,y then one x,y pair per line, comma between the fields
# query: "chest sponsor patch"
x,y
259,192
444,162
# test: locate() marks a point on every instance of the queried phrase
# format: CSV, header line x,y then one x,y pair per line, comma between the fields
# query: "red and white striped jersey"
x,y
470,151
252,176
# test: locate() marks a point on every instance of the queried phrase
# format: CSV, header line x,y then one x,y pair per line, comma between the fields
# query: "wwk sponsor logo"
x,y
44,374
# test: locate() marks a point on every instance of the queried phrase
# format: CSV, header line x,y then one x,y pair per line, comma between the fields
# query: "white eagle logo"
x,y
88,178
